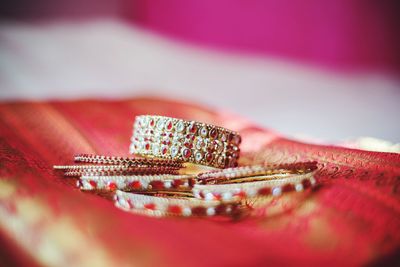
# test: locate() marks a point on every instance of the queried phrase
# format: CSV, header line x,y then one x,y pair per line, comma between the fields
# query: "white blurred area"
x,y
111,59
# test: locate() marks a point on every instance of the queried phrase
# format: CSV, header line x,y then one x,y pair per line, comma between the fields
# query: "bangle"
x,y
187,141
160,206
274,185
137,182
100,159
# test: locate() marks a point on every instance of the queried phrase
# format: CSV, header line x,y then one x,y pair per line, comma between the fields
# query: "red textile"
x,y
352,219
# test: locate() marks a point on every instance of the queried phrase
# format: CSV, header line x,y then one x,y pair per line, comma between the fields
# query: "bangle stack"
x,y
154,181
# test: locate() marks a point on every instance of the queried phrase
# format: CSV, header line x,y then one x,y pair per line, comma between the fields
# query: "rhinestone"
x,y
237,139
299,187
210,211
156,150
174,151
209,196
187,211
209,157
93,183
277,191
160,124
186,153
192,128
168,125
198,156
152,123
199,143
203,131
135,185
147,146
167,184
150,206
175,209
213,133
180,126
164,150
226,196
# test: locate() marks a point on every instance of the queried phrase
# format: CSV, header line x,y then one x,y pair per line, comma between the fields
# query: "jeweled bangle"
x,y
160,206
137,182
188,141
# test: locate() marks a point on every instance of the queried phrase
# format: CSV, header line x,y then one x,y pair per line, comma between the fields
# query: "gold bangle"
x,y
187,141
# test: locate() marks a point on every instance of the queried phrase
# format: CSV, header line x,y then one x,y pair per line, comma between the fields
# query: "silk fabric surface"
x,y
351,219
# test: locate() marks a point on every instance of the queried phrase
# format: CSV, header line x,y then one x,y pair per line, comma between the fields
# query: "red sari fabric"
x,y
351,219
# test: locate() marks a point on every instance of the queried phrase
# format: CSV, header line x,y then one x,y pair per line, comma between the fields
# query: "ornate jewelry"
x,y
137,182
188,141
160,206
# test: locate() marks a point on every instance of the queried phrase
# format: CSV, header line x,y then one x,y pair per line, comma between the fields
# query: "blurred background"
x,y
326,71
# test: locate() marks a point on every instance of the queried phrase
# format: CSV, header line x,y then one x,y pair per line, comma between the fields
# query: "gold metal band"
x,y
187,141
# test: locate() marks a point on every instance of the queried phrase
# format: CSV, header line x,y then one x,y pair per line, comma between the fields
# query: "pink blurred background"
x,y
327,70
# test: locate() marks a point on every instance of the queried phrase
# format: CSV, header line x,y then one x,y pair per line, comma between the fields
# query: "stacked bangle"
x,y
187,141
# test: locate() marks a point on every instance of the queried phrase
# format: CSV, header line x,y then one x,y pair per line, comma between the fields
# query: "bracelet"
x,y
137,182
274,185
100,159
187,141
160,206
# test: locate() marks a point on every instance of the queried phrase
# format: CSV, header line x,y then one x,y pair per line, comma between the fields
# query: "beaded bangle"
x,y
188,141
100,159
273,185
137,182
160,206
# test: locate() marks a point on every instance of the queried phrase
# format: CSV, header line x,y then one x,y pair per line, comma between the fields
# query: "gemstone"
x,y
199,143
174,151
213,133
237,139
186,153
276,191
264,191
208,196
176,183
299,187
164,150
147,146
112,186
209,157
198,156
152,123
210,211
186,211
287,188
160,124
218,146
167,184
150,206
168,125
188,144
192,128
135,185
223,136
175,209
191,182
93,183
306,183
226,196
203,131
156,149
220,209
199,211
157,184
180,126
